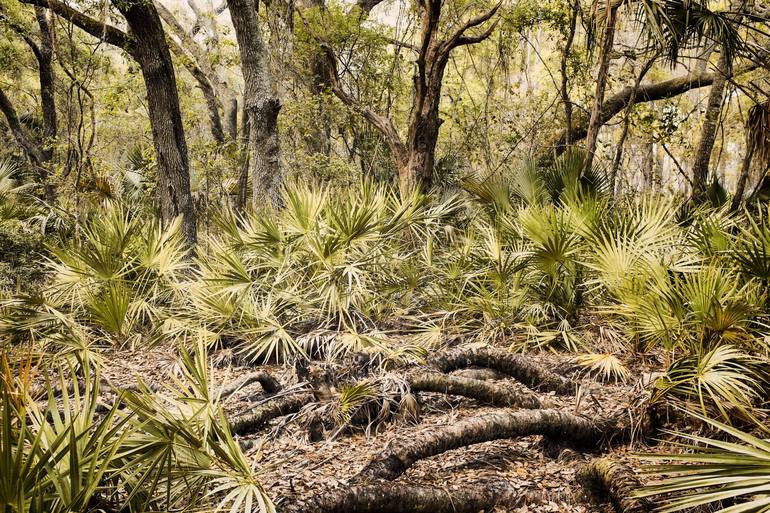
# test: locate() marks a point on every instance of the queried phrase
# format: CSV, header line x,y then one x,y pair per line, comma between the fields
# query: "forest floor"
x,y
542,472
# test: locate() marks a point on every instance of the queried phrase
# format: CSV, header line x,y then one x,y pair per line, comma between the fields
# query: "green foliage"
x,y
713,472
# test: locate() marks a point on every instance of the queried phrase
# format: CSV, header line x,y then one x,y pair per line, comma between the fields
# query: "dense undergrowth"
x,y
540,259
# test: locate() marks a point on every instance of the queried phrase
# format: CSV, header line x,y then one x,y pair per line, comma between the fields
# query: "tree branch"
x,y
458,38
96,28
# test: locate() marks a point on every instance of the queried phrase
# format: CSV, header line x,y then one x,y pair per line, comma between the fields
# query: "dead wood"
x,y
573,430
485,392
520,367
405,498
269,384
272,409
605,479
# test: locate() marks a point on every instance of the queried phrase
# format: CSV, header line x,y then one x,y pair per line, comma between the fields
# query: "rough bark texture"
x,y
519,367
565,54
556,425
44,57
604,478
260,103
272,409
700,168
152,54
269,384
489,393
400,498
595,123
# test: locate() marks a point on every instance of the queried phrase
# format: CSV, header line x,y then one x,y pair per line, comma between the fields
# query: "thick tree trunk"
x,y
152,53
485,392
595,123
700,168
604,478
260,102
243,175
556,425
518,366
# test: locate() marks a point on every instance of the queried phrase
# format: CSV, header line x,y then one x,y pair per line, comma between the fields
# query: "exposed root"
x,y
405,498
269,384
489,393
520,367
579,432
272,409
604,479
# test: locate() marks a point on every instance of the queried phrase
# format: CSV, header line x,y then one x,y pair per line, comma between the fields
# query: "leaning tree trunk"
x,y
700,168
260,103
595,122
152,53
744,176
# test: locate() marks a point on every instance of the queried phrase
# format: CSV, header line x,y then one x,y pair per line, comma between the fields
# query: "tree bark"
x,y
269,384
605,478
519,367
34,153
260,103
482,391
700,168
405,498
595,123
270,410
744,176
47,82
556,425
566,101
152,54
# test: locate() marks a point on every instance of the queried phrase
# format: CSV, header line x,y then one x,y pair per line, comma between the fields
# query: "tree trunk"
x,y
700,168
519,367
272,409
605,478
574,8
152,54
744,177
231,119
406,498
595,122
243,175
556,425
47,81
33,152
488,393
260,103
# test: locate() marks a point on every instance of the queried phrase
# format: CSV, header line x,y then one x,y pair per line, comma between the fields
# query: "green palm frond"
x,y
712,472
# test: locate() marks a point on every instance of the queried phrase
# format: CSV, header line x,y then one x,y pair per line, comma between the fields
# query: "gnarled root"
x,y
489,393
272,409
557,425
519,367
604,478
